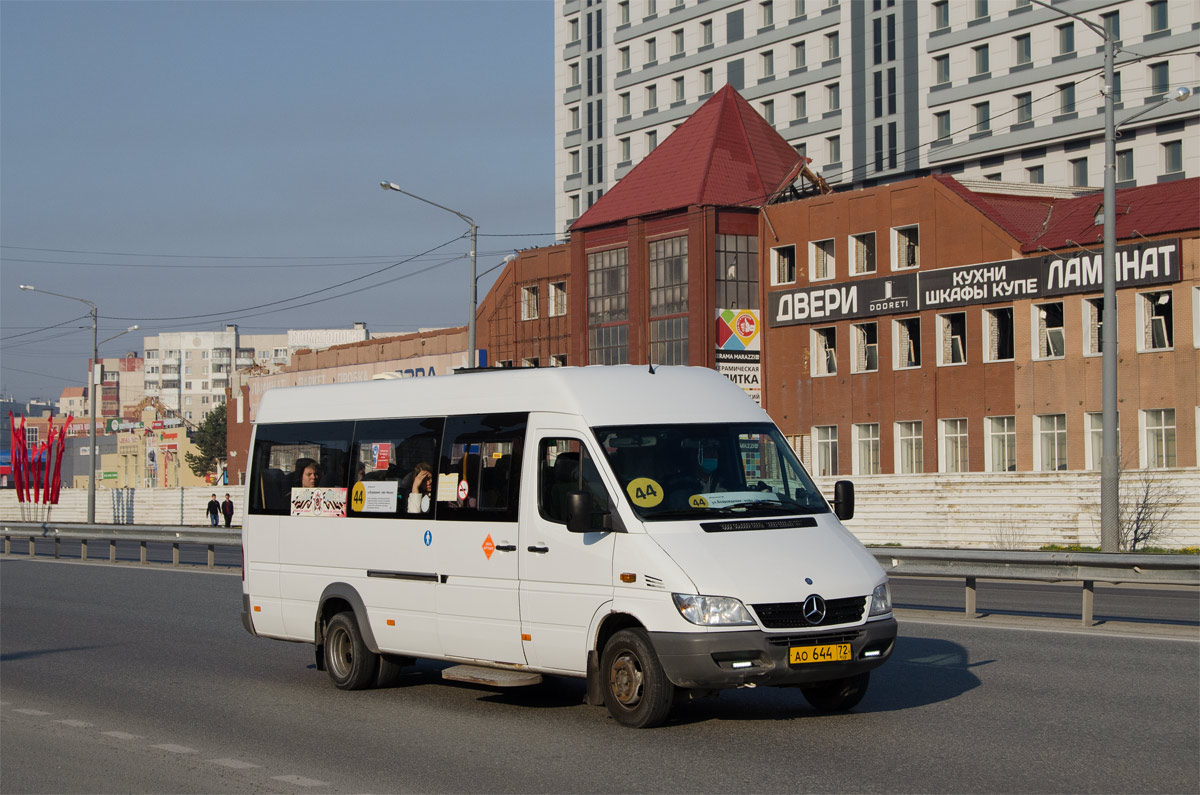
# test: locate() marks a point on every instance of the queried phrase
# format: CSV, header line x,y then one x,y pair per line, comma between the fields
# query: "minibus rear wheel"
x,y
838,695
636,690
351,665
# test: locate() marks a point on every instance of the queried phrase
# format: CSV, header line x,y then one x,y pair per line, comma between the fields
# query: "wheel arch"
x,y
340,597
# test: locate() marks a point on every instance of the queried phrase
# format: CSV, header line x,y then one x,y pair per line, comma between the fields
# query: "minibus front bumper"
x,y
719,659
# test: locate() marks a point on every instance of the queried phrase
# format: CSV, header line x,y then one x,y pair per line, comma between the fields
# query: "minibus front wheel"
x,y
636,689
351,665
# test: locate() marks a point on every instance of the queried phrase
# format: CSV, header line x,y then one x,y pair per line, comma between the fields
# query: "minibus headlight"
x,y
712,611
881,600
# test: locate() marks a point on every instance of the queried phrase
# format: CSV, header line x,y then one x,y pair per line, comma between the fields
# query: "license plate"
x,y
838,652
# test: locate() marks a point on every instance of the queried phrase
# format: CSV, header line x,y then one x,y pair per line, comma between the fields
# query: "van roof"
x,y
602,395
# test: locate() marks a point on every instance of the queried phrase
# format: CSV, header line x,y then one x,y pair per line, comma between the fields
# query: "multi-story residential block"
x,y
877,91
122,387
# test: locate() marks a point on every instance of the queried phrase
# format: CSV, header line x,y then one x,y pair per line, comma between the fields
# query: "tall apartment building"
x,y
876,91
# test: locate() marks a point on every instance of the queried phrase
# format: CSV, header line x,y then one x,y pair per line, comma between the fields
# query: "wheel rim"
x,y
341,652
625,680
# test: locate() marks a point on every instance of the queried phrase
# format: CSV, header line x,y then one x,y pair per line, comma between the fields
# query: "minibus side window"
x,y
564,465
394,460
284,452
479,470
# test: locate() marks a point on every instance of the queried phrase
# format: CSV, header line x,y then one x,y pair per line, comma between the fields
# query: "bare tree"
x,y
1148,500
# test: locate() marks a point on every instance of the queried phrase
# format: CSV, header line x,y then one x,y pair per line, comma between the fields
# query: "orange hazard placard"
x,y
489,546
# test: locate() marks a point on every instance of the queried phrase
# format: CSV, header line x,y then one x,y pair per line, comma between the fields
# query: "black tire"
x,y
391,666
636,690
838,695
350,664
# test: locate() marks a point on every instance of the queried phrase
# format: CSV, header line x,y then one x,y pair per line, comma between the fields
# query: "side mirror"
x,y
579,516
843,499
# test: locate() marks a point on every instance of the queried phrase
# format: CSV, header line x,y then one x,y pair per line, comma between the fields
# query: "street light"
x,y
94,380
1110,457
474,234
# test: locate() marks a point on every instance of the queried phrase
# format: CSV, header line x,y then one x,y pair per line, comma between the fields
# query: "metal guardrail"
x,y
971,566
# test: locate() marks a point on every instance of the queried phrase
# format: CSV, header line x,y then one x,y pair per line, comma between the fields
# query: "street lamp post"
x,y
1110,455
472,287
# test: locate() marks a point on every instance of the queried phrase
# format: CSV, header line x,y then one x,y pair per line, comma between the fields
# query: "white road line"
x,y
31,712
235,764
300,781
122,735
1051,631
78,724
176,749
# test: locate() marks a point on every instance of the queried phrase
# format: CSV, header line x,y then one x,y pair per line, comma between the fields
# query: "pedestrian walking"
x,y
213,510
227,510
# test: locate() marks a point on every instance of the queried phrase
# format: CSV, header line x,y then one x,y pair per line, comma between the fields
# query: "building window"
x,y
651,97
799,55
1002,444
557,305
1050,452
1172,157
677,36
1158,15
737,272
669,341
910,456
574,205
908,343
981,9
608,286
1066,98
952,342
1035,175
706,32
866,448
1024,106
824,351
954,446
626,151
706,81
941,69
1079,172
1066,38
623,103
1158,438
1023,49
623,59
833,100
768,64
827,453
678,84
768,112
800,105
1000,334
651,141
1125,165
768,13
783,265
651,51
833,148
863,247
820,254
1155,319
573,75
669,276
832,48
623,12
983,117
1112,24
1095,439
573,119
608,344
1051,339
529,303
982,61
864,338
573,162
941,121
1093,321
941,14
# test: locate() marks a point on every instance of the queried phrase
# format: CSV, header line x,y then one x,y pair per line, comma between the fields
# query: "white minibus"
x,y
648,530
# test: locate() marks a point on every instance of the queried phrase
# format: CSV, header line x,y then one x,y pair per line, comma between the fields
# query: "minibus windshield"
x,y
671,472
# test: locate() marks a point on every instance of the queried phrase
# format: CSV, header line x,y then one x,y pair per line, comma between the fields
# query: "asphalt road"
x,y
141,679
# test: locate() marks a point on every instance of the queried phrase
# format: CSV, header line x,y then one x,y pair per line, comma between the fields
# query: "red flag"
x,y
58,459
49,454
16,457
23,462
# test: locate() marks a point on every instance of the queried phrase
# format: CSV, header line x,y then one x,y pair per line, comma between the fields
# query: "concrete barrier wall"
x,y
1013,511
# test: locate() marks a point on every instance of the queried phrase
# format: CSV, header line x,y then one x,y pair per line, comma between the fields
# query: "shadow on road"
x,y
25,655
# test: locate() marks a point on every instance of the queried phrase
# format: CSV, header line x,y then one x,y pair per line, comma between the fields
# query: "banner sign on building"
x,y
1137,265
739,339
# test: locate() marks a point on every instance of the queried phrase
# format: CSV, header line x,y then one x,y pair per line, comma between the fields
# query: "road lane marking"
x,y
1050,630
300,781
235,764
31,712
176,749
122,735
78,724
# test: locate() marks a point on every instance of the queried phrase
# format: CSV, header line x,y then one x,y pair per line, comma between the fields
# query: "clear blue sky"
x,y
246,141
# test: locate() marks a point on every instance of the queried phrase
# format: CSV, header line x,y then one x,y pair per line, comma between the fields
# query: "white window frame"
x,y
529,302
1146,303
905,440
944,437
830,257
1059,441
863,251
898,241
989,321
900,358
1044,336
825,452
778,260
1093,438
1092,314
860,348
556,303
943,321
866,433
1145,429
822,355
1003,435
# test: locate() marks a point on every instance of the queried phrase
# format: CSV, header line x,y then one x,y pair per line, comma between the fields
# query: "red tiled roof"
x,y
1041,222
725,154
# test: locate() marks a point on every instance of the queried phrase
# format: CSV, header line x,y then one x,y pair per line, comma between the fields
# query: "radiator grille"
x,y
813,640
791,614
